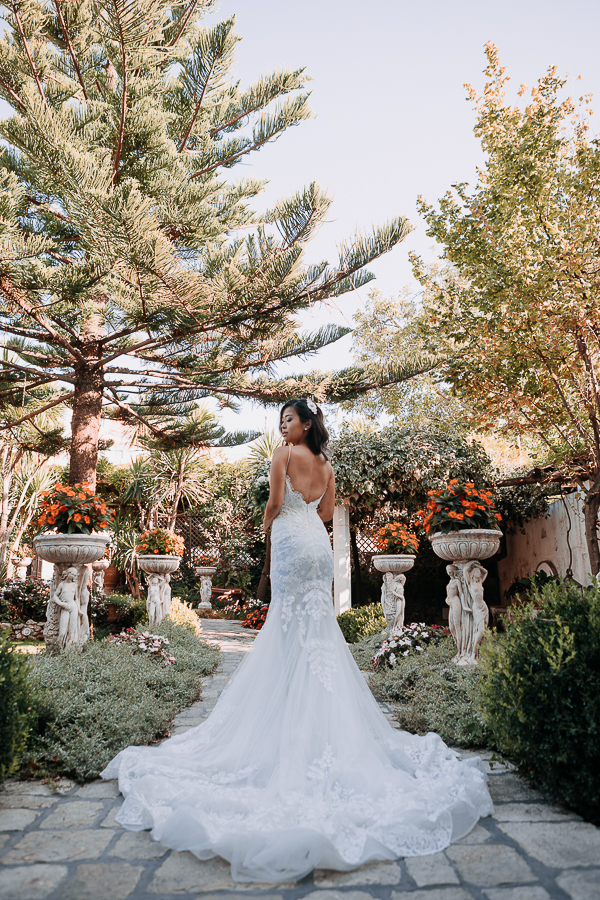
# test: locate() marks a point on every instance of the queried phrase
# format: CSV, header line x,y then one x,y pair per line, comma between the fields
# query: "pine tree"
x,y
134,277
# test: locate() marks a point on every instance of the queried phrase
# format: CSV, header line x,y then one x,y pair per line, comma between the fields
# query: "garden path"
x,y
64,844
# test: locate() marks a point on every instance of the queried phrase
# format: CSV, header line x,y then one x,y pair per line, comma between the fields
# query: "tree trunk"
x,y
261,593
356,563
591,508
87,402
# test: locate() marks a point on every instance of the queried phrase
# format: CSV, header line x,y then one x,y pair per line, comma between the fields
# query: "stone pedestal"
x,y
468,613
393,565
67,622
158,568
205,574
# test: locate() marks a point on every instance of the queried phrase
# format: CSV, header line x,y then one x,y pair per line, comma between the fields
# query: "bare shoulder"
x,y
280,455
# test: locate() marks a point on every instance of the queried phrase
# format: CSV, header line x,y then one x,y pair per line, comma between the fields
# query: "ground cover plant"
x,y
428,691
94,703
361,622
541,693
17,717
415,637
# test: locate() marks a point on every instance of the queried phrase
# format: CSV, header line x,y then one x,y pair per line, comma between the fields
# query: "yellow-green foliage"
x,y
181,614
541,694
361,622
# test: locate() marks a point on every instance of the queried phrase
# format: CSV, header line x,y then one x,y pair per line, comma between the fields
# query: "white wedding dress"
x,y
297,767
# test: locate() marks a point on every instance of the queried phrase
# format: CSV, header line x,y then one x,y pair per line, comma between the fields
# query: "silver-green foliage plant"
x,y
17,717
431,693
95,703
541,693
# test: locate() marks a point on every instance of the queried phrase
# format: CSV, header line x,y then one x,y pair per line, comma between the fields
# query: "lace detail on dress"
x,y
297,767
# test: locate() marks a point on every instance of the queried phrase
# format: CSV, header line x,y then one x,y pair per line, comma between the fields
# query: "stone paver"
x,y
62,842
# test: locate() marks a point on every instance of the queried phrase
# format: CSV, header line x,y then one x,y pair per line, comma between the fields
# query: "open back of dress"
x,y
297,767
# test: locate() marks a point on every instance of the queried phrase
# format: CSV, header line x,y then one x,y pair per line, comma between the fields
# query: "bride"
x,y
297,767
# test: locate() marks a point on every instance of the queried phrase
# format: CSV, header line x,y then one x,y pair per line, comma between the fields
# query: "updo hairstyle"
x,y
317,436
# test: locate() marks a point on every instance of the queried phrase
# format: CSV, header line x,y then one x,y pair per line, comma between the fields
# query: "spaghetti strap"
x,y
288,459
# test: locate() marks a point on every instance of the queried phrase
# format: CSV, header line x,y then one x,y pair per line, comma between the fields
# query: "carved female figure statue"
x,y
154,599
454,601
165,596
474,574
65,597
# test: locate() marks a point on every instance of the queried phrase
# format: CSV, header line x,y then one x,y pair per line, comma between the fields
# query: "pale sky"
x,y
391,120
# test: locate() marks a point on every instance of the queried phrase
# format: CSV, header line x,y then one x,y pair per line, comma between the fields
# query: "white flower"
x,y
392,657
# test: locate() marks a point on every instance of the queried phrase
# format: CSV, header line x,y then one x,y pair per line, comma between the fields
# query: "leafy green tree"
x,y
134,278
517,308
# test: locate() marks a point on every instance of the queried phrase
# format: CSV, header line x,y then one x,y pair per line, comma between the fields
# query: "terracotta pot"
x,y
113,613
469,543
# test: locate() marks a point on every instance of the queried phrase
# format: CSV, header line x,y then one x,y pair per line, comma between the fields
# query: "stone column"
x,y
341,559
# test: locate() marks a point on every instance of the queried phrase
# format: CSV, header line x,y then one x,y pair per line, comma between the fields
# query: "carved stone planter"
x,y
392,591
468,614
158,568
67,622
205,574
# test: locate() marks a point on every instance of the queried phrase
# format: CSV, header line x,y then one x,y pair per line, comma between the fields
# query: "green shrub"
x,y
16,714
541,694
132,612
181,614
431,693
361,622
22,600
93,703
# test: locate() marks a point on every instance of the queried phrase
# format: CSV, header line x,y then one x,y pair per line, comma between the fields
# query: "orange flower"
x,y
453,481
42,520
459,516
469,512
103,524
498,516
63,508
51,519
70,493
87,520
156,551
77,517
81,497
44,493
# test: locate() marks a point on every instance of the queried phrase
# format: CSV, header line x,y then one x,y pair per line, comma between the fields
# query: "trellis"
x,y
198,543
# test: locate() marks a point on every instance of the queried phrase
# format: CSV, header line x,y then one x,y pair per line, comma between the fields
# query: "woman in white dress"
x,y
297,768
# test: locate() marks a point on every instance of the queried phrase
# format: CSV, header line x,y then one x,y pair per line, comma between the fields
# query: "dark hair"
x,y
318,436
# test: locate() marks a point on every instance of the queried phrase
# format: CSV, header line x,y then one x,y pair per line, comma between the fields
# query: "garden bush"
x,y
22,600
361,622
132,612
541,694
429,692
16,714
93,703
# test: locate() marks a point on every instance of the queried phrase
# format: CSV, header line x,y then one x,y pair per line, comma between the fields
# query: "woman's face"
x,y
293,430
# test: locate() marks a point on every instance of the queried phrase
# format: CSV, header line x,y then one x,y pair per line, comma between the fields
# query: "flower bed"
x,y
255,614
144,642
413,638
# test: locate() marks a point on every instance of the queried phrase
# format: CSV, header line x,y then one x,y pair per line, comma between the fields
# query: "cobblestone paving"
x,y
65,845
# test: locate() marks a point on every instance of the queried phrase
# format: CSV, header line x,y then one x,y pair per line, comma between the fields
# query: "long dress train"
x,y
297,767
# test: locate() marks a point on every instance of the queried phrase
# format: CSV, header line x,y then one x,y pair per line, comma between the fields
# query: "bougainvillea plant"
x,y
159,540
74,510
396,538
458,506
410,638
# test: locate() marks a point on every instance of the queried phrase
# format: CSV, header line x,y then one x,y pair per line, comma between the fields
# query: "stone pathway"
x,y
65,845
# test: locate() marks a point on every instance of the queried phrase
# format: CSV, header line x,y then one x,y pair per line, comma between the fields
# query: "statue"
x,y
392,599
205,592
154,600
165,596
468,613
67,622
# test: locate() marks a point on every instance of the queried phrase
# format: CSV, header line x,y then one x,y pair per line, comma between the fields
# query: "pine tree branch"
x,y
28,52
123,94
12,94
67,38
185,17
14,297
198,107
130,412
38,411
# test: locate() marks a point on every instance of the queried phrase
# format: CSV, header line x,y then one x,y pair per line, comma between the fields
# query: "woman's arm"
x,y
277,482
327,504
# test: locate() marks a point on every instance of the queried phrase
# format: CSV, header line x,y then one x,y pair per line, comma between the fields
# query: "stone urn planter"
x,y
67,621
158,567
468,612
205,574
393,565
22,567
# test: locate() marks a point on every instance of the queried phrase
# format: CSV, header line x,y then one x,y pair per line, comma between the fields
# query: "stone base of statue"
x,y
393,565
468,612
67,622
158,568
205,574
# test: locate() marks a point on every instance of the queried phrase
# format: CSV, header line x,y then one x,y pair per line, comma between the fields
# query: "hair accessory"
x,y
312,406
